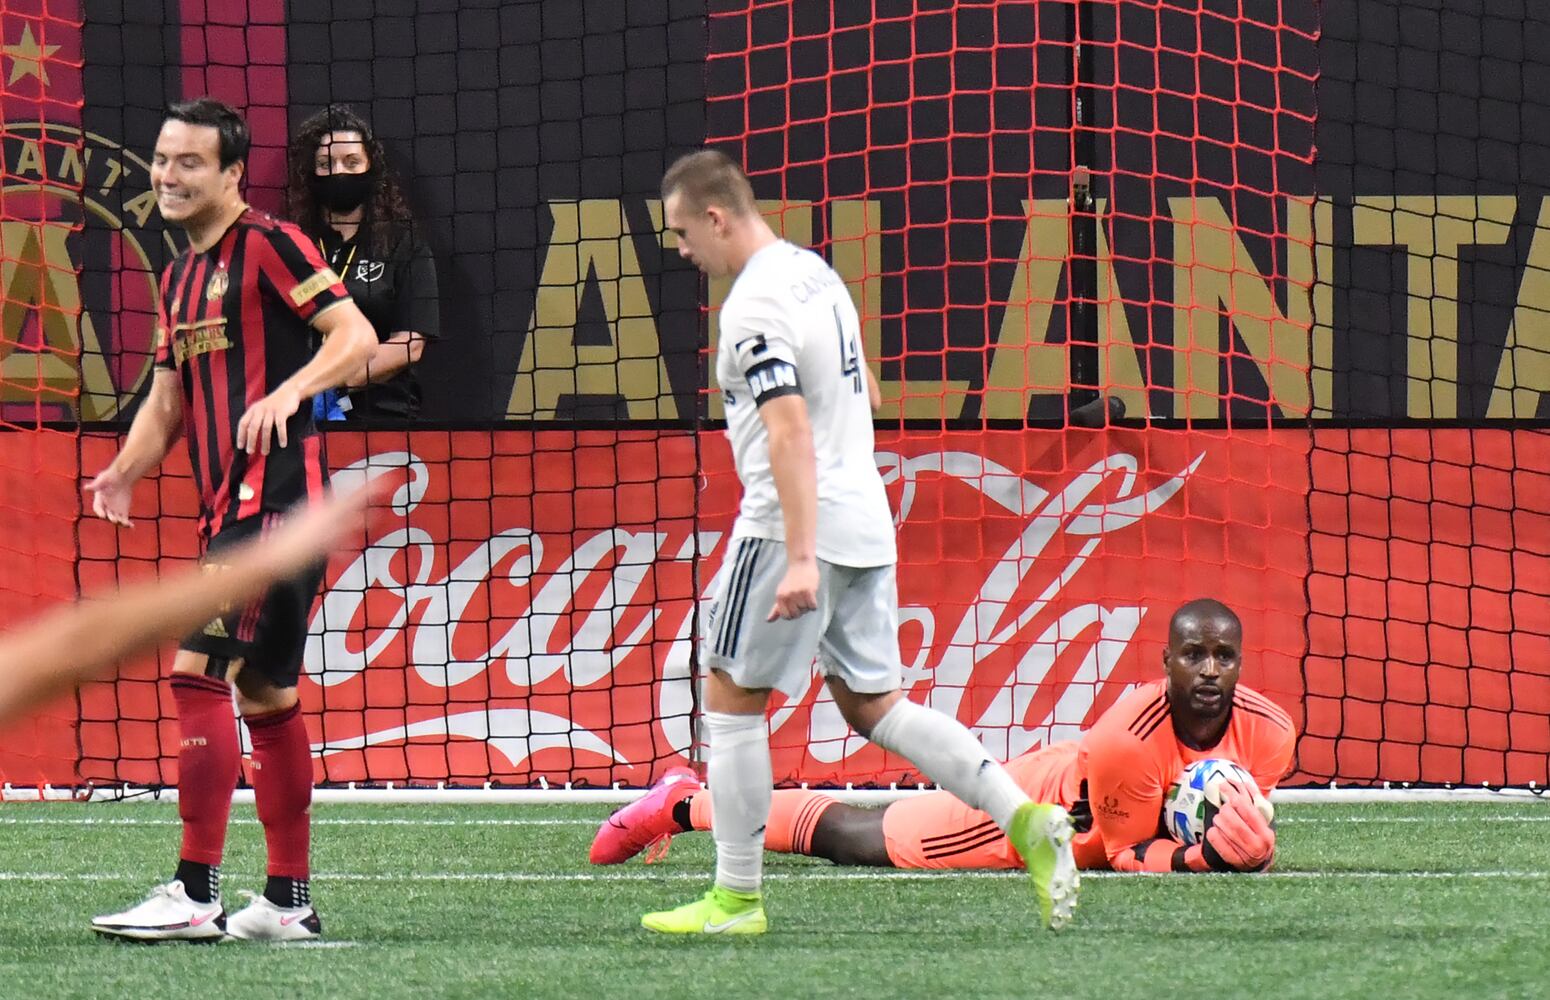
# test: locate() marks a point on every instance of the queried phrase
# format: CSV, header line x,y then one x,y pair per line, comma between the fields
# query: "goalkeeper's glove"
x,y
1240,838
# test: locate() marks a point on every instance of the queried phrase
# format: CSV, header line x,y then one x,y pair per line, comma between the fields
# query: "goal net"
x,y
1429,522
43,229
1161,303
1033,203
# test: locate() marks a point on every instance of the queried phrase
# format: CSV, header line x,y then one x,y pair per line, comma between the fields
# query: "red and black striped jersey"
x,y
234,323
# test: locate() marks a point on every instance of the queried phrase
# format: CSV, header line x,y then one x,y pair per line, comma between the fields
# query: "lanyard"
x,y
333,259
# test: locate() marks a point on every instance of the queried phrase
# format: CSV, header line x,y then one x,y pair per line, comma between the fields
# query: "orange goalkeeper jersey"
x,y
1130,757
1121,767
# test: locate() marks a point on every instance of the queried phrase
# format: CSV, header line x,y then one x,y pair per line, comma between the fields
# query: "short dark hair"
x,y
709,177
236,139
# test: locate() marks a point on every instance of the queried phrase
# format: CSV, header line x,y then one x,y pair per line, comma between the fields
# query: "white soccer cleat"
x,y
167,915
263,920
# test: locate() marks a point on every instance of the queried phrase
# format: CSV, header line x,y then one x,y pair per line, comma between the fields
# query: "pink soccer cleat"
x,y
646,822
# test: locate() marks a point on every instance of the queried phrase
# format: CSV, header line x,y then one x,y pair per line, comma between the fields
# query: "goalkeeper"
x,y
1113,780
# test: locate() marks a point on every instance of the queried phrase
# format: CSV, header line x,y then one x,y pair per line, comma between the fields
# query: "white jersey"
x,y
789,326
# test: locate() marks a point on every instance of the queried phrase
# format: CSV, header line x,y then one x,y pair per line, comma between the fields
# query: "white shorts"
x,y
854,632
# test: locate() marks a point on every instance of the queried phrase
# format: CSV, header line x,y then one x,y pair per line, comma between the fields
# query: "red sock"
x,y
282,789
207,764
794,816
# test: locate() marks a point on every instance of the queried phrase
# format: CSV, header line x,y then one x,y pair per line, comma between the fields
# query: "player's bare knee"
x,y
257,695
191,663
723,694
862,711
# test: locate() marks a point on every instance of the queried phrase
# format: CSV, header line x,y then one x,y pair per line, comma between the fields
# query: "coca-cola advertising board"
x,y
530,615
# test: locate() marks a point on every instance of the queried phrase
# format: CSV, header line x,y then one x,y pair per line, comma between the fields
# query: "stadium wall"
x,y
1321,285
532,137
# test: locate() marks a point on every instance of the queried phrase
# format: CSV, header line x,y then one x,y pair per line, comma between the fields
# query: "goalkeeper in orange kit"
x,y
1113,781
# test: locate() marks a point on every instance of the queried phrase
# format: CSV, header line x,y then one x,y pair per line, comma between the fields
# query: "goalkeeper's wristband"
x,y
1189,859
1212,858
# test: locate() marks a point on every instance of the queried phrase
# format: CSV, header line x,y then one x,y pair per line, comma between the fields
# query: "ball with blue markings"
x,y
1192,800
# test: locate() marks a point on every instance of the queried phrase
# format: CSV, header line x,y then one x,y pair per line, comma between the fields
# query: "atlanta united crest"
x,y
219,282
90,201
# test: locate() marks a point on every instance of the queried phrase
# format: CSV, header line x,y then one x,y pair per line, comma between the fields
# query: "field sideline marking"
x,y
405,821
253,821
819,875
1450,818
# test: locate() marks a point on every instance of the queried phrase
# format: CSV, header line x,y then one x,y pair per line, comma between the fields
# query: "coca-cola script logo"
x,y
1025,603
457,648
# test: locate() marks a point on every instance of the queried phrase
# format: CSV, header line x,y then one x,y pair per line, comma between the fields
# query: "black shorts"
x,y
270,634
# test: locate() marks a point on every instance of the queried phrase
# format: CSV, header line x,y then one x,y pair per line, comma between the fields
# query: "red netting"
x,y
42,326
1033,203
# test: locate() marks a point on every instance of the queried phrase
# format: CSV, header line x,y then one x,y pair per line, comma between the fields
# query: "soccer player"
x,y
241,310
74,644
811,564
1113,779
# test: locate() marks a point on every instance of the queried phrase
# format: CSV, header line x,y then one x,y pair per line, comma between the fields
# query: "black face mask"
x,y
342,192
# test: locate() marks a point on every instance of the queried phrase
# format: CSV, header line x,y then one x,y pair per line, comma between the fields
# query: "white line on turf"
x,y
56,820
1450,818
819,875
252,821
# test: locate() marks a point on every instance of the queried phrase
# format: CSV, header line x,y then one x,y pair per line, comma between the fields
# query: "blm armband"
x,y
772,378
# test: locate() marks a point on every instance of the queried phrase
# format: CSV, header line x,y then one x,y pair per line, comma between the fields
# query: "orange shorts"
x,y
935,830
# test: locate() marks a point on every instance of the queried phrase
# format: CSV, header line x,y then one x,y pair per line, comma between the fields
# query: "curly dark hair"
x,y
387,215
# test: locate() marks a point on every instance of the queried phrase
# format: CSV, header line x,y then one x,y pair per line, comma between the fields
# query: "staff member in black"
x,y
343,195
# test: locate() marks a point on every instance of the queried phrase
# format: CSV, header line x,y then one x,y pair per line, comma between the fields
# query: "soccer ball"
x,y
1196,794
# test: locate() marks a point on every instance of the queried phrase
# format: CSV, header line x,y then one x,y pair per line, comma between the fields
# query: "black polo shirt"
x,y
396,292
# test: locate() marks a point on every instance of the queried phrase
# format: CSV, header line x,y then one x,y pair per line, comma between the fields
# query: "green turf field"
x,y
488,901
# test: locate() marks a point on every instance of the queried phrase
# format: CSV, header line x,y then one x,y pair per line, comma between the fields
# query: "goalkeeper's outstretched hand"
x,y
1240,838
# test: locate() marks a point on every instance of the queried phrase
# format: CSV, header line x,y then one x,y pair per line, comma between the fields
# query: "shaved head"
x,y
1205,647
1198,612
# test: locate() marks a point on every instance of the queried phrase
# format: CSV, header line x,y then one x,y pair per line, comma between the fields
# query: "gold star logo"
x,y
27,57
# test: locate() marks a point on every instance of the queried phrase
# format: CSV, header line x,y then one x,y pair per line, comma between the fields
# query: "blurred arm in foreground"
x,y
69,645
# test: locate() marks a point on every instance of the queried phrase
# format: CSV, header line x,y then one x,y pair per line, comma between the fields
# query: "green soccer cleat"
x,y
721,911
1042,836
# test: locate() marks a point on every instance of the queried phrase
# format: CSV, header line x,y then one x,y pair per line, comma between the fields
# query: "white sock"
x,y
949,755
741,782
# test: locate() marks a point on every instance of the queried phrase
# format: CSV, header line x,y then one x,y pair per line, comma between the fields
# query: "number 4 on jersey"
x,y
850,354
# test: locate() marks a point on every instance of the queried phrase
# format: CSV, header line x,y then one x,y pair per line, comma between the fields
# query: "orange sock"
x,y
794,816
